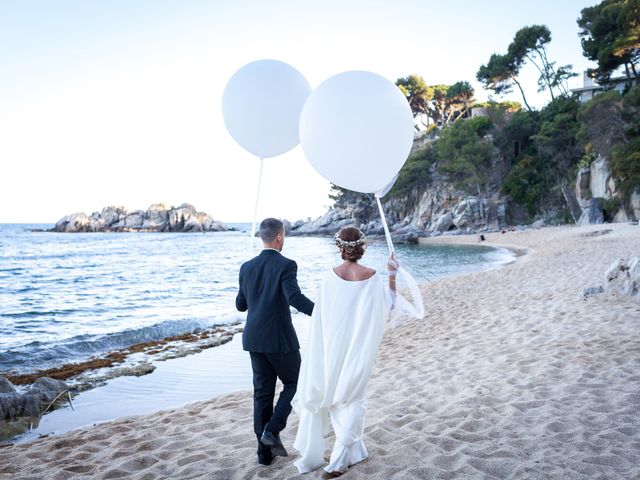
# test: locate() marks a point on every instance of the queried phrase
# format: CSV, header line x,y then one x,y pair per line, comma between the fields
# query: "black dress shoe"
x,y
265,458
273,441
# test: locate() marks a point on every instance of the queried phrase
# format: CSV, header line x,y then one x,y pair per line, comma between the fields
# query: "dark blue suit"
x,y
268,286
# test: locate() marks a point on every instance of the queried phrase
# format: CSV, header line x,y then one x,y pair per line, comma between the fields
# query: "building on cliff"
x,y
590,88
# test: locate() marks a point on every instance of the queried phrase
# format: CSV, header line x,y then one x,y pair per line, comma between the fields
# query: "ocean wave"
x,y
42,355
500,256
36,313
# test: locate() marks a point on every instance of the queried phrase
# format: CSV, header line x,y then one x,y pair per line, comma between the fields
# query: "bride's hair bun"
x,y
350,241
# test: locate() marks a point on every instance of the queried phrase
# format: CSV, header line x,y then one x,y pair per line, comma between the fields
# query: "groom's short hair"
x,y
270,228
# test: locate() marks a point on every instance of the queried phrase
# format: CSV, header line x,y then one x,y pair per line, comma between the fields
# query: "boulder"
x,y
47,389
583,193
178,217
76,222
444,222
19,410
634,204
587,292
209,224
16,405
623,277
621,216
463,215
192,224
431,203
160,207
112,215
407,235
134,220
156,218
538,224
594,214
601,182
374,227
473,212
217,226
6,386
327,224
501,214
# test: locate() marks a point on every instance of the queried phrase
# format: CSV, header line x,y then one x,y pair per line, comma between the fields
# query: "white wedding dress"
x,y
347,324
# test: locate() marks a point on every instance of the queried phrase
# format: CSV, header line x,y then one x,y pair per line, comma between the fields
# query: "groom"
x,y
268,285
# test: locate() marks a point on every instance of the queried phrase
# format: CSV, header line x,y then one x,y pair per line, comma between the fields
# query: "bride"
x,y
346,328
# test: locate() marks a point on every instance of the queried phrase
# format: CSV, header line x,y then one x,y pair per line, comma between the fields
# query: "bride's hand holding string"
x,y
392,267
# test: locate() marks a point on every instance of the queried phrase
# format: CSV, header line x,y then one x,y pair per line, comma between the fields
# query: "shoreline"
x,y
512,374
133,360
138,360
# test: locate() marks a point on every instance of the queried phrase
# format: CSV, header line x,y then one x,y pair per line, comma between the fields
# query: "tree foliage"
x,y
610,34
601,123
556,138
499,75
529,45
465,155
515,138
625,161
414,175
442,103
525,183
418,93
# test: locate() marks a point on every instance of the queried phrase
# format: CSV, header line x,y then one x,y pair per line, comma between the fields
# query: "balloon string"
x,y
255,210
387,234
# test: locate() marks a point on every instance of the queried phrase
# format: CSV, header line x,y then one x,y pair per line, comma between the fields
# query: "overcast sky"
x,y
118,102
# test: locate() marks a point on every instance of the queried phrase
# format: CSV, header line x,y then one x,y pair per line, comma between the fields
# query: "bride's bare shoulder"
x,y
366,272
354,272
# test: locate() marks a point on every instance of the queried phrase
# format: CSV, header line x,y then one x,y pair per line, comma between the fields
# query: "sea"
x,y
67,297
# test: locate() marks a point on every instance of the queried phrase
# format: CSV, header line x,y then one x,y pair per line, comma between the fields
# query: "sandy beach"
x,y
511,375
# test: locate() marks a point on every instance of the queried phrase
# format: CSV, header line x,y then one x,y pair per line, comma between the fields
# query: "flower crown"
x,y
349,243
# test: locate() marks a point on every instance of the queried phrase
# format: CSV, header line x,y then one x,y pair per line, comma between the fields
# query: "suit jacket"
x,y
268,285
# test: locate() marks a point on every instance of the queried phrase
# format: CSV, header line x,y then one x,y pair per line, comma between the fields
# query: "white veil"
x,y
404,309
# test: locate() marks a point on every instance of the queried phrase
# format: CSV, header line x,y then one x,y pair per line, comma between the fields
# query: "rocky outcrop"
x,y
594,213
327,224
601,182
20,410
595,187
438,210
583,192
158,217
623,278
634,204
47,389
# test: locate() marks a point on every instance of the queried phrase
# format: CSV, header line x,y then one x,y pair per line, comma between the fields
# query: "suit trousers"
x,y
267,368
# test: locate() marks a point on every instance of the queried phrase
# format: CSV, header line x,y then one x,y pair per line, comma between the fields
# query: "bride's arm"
x,y
392,267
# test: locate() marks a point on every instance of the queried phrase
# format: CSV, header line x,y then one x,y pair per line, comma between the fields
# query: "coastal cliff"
x,y
159,217
569,163
439,208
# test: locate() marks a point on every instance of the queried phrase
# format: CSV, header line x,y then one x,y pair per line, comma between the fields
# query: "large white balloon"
x,y
261,106
356,130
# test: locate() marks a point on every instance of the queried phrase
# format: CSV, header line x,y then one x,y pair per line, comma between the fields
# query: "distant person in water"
x,y
268,286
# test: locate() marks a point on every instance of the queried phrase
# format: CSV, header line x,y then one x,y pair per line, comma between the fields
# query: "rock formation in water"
x,y
158,217
19,410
